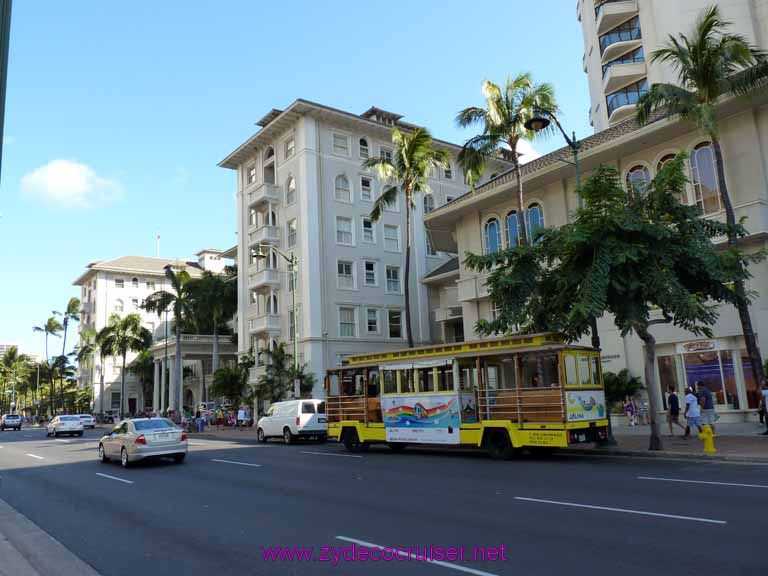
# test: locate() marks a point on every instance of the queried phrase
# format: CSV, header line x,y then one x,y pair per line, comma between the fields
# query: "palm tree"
x,y
71,312
143,366
414,159
280,374
13,368
125,335
709,65
101,346
52,327
85,351
215,300
182,303
503,120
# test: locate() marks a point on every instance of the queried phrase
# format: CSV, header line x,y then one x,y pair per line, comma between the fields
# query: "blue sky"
x,y
118,112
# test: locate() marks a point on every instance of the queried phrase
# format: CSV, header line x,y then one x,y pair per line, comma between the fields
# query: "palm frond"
x,y
387,197
469,116
667,97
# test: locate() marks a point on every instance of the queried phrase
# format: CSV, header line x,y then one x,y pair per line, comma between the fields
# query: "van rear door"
x,y
312,416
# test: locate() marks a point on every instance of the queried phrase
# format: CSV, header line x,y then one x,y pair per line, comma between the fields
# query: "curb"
x,y
661,454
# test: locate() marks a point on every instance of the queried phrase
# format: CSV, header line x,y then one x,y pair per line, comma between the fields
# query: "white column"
x,y
163,384
156,389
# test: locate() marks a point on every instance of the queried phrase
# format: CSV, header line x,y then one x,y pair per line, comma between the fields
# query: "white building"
x,y
620,35
7,345
301,189
120,286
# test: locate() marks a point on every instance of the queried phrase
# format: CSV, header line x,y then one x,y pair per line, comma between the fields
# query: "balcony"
x,y
263,193
623,73
266,278
264,323
611,13
621,39
621,104
473,288
449,313
264,235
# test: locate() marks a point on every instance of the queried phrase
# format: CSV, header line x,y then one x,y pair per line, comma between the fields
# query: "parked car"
x,y
65,424
140,438
88,421
294,419
10,421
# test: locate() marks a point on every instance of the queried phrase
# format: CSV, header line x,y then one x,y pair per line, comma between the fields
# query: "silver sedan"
x,y
139,438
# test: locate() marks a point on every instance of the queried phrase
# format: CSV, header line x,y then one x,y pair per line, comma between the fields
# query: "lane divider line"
x,y
702,482
114,478
329,454
234,462
624,510
34,456
402,554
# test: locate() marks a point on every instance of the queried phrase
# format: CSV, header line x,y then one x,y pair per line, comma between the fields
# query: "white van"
x,y
294,419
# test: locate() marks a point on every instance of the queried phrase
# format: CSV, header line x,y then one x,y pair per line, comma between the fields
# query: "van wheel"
x,y
287,436
260,435
352,441
499,445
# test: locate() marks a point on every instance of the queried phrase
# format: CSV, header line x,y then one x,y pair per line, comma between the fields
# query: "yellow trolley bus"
x,y
505,394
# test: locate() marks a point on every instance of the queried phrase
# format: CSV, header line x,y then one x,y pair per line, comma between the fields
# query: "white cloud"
x,y
69,184
527,151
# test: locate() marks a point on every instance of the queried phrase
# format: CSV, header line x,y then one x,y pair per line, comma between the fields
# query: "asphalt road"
x,y
554,515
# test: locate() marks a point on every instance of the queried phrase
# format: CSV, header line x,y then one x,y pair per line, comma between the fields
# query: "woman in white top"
x,y
692,411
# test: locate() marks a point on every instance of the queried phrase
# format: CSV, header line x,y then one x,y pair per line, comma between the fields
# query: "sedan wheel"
x,y
124,458
102,455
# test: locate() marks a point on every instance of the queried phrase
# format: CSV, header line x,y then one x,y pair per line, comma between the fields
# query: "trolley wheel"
x,y
352,441
397,446
499,445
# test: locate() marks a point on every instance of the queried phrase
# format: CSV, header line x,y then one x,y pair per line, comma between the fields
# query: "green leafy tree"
x,y
503,120
619,386
14,369
125,335
231,381
408,173
711,63
277,381
71,313
143,366
180,301
85,350
646,259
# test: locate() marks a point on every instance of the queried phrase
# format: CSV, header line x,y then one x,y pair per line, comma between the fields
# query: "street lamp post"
x,y
292,261
541,120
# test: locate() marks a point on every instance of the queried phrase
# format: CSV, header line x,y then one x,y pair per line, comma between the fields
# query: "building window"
x,y
704,178
365,188
372,320
664,161
638,179
253,217
344,230
134,282
118,305
345,275
364,154
347,322
429,203
629,30
535,220
448,173
119,283
291,232
371,273
342,192
513,229
395,321
492,235
391,238
448,199
385,153
150,284
290,190
251,174
430,249
290,147
393,279
627,96
369,231
135,303
340,144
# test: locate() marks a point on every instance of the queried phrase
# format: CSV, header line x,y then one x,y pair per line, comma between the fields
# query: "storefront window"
x,y
729,376
705,367
753,390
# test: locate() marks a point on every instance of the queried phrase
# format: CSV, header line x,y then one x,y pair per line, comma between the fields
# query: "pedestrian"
x,y
708,414
629,410
673,412
240,418
643,413
764,392
692,411
219,418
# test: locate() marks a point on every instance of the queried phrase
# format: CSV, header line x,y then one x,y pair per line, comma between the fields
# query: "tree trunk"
x,y
101,389
408,328
178,387
755,358
654,399
215,357
520,200
123,400
63,363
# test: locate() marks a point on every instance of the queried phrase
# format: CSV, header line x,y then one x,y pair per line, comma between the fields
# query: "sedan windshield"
x,y
153,424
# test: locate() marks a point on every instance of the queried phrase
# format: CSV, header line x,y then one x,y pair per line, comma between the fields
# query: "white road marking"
x,y
27,435
703,482
234,462
624,510
329,454
33,456
62,440
114,478
402,554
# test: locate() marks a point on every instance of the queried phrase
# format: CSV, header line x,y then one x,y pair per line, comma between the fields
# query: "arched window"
x,y
492,236
290,190
135,282
535,220
342,192
429,203
663,162
273,303
272,218
704,178
364,153
638,179
513,229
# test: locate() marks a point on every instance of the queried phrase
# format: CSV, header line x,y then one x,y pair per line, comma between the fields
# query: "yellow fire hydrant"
x,y
709,439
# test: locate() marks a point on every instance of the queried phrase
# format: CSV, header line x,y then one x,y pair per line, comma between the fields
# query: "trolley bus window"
x,y
373,383
595,361
539,370
445,378
570,370
467,376
584,371
359,381
426,380
406,382
492,377
390,382
333,384
509,372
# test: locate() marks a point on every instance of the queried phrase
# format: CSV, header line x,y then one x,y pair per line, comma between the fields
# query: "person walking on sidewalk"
x,y
673,414
692,412
764,392
629,410
708,414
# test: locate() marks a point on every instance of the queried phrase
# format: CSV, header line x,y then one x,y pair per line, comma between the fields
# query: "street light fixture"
x,y
261,253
